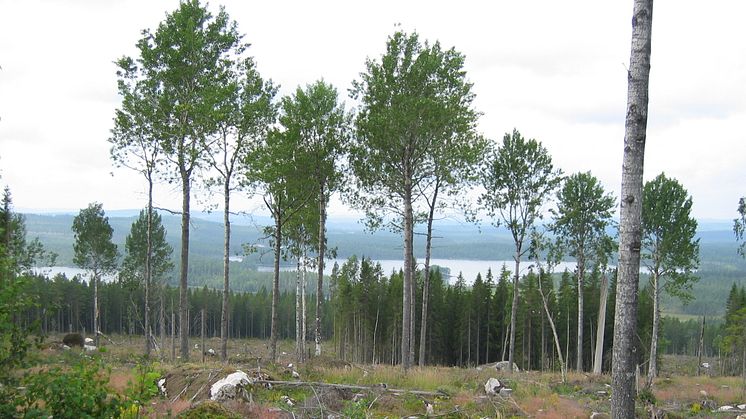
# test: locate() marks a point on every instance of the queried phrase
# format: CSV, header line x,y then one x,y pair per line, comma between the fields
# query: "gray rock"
x,y
505,392
503,366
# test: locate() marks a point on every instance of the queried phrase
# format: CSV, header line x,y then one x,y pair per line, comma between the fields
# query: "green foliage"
x,y
646,396
739,226
136,245
416,118
518,178
583,213
670,250
93,247
144,387
79,391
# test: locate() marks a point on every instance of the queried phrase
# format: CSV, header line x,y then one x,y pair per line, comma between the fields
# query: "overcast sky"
x,y
554,70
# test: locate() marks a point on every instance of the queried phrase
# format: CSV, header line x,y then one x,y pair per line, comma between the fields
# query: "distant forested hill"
x,y
720,265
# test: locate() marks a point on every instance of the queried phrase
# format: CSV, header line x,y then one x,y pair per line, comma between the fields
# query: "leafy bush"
x,y
77,392
145,385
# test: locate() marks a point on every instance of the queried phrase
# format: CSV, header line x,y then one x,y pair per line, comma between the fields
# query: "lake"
x,y
469,268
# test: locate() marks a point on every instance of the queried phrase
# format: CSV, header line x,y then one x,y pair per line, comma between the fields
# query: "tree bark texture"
x,y
276,289
630,226
599,355
514,307
320,279
653,363
184,269
148,266
406,294
581,274
226,272
426,283
95,308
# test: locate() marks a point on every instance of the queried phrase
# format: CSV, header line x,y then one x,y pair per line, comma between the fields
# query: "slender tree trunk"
x,y
320,279
148,265
700,347
653,363
276,287
581,274
426,283
599,355
95,308
630,229
202,334
298,315
162,321
173,334
304,320
563,366
514,307
408,275
184,268
226,272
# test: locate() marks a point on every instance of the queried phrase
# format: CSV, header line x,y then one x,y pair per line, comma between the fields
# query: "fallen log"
x,y
376,387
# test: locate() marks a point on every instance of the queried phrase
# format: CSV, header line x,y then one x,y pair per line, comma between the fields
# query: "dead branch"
x,y
352,387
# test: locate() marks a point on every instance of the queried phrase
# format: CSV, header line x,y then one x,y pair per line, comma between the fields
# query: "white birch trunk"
x,y
630,226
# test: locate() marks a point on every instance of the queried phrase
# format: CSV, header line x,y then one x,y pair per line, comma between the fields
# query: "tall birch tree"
x,y
580,220
242,118
316,117
518,179
181,61
279,171
630,224
135,146
94,251
670,250
409,98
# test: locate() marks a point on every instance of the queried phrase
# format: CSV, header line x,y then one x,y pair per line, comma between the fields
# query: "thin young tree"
x,y
243,117
584,211
630,224
409,99
518,179
670,250
279,170
183,61
147,256
318,119
134,146
454,167
94,251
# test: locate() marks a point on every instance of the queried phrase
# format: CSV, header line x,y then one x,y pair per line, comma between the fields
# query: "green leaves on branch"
x,y
416,122
136,245
670,250
518,178
584,212
93,247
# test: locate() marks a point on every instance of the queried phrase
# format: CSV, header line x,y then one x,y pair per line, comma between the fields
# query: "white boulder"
x,y
88,341
228,387
89,348
492,386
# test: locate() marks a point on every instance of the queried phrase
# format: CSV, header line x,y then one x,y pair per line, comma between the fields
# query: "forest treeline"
x,y
362,316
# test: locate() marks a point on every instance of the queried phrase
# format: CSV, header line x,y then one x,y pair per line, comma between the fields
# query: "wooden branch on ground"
x,y
377,387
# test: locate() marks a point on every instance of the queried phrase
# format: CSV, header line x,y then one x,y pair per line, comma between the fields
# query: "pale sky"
x,y
554,70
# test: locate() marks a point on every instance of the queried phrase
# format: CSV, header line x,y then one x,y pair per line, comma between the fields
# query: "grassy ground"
x,y
460,390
